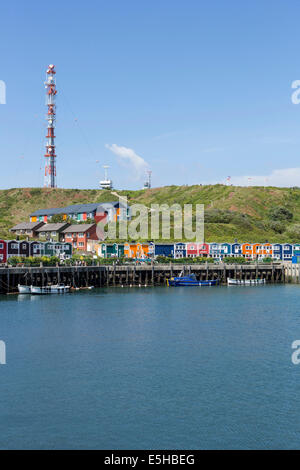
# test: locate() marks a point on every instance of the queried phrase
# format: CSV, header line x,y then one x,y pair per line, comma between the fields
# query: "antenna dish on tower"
x,y
106,183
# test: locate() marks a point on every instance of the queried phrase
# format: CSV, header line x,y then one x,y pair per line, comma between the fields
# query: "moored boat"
x,y
24,289
54,289
245,282
40,290
190,280
59,289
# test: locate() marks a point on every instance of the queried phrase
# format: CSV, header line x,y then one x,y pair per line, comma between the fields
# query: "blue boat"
x,y
190,280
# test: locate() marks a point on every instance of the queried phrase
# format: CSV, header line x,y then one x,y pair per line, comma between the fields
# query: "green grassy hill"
x,y
252,214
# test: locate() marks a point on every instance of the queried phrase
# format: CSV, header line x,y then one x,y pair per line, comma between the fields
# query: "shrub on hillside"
x,y
36,191
293,232
217,216
277,226
280,213
242,220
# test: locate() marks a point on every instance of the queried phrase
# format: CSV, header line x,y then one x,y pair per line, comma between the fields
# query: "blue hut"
x,y
151,250
287,252
236,249
164,249
24,248
225,249
296,253
215,250
277,251
37,249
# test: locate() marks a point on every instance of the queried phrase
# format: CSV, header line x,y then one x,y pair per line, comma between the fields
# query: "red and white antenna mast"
x,y
50,165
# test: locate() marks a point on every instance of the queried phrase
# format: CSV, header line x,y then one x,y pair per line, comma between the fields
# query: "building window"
x,y
1,246
81,235
80,244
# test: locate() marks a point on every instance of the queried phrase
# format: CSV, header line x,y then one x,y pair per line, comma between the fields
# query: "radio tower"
x,y
50,165
147,184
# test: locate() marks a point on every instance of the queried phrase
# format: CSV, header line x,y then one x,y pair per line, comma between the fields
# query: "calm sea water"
x,y
181,368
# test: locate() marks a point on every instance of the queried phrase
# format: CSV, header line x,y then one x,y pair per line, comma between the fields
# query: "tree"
x,y
59,218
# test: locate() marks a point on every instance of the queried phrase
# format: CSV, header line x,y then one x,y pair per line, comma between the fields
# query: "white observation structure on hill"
x,y
106,183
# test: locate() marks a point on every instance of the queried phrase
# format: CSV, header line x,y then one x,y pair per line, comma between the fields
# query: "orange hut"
x,y
130,250
247,250
262,250
142,250
257,250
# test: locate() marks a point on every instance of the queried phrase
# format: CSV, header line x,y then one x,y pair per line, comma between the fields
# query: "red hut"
x,y
3,251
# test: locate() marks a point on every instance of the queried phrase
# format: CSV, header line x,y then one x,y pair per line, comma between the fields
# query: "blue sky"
x,y
199,90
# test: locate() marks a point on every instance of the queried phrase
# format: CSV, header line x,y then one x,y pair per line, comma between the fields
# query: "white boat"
x,y
59,289
40,290
24,289
54,289
245,282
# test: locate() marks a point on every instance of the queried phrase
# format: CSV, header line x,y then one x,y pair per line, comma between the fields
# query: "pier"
x,y
135,275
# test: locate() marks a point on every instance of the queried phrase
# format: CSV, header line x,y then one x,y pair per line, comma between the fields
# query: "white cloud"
x,y
129,155
284,177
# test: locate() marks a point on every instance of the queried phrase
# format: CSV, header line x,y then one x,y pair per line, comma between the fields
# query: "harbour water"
x,y
151,368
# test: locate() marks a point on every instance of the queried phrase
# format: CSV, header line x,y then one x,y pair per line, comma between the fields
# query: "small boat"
x,y
24,289
190,280
40,290
54,289
59,289
245,282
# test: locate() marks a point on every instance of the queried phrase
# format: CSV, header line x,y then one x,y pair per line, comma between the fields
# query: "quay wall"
x,y
134,275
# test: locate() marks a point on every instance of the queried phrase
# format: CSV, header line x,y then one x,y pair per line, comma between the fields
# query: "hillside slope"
x,y
252,214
